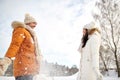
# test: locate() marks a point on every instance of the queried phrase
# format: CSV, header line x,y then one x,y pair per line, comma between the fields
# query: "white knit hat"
x,y
92,25
86,26
29,19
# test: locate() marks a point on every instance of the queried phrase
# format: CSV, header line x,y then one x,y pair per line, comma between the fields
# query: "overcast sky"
x,y
59,28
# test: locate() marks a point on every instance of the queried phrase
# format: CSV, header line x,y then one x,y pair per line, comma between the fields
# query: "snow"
x,y
112,76
59,78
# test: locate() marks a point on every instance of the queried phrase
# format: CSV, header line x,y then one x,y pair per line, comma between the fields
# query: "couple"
x,y
89,49
24,48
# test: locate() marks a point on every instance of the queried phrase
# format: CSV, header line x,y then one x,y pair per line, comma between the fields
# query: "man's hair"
x,y
85,38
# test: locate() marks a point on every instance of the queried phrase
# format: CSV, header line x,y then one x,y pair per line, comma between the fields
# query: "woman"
x,y
89,49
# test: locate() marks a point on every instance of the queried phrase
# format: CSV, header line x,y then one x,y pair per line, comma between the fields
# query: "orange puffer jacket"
x,y
23,49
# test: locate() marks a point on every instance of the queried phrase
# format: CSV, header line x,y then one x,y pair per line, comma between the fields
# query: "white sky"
x,y
59,28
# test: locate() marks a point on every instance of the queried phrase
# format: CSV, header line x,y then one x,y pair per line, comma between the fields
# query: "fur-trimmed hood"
x,y
96,33
16,24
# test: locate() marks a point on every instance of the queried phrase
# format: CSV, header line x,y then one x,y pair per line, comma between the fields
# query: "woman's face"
x,y
84,32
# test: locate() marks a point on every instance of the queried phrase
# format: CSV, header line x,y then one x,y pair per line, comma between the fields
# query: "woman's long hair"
x,y
84,39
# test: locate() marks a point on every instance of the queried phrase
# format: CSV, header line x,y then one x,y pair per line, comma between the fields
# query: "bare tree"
x,y
102,57
109,19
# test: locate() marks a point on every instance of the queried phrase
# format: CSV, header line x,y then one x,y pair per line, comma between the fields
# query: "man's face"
x,y
32,24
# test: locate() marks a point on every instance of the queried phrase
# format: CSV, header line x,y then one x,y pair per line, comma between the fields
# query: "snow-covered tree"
x,y
108,15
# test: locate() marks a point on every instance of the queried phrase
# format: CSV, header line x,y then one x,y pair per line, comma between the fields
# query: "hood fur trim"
x,y
17,24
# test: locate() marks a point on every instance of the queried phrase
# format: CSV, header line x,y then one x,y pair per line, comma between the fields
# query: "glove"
x,y
99,77
98,74
4,63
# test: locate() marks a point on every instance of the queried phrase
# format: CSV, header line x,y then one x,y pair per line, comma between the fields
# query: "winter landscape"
x,y
112,76
59,32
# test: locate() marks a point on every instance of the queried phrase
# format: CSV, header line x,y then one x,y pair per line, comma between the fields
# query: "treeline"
x,y
50,69
54,69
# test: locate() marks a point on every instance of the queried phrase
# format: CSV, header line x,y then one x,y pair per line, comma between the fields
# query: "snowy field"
x,y
112,76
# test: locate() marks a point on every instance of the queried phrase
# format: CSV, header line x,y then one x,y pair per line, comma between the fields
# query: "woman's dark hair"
x,y
84,39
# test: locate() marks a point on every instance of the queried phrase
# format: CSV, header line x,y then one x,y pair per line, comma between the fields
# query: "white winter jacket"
x,y
89,64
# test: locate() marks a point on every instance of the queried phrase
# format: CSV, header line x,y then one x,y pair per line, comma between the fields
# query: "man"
x,y
24,47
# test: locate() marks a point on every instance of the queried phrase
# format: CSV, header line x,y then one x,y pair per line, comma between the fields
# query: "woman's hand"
x,y
98,74
99,77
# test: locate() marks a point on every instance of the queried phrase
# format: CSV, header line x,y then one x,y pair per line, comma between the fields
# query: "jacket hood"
x,y
95,34
17,24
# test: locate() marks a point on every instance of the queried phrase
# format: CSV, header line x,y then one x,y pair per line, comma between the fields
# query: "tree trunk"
x,y
105,66
117,64
115,51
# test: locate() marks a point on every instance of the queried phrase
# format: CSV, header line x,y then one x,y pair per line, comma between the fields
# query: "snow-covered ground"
x,y
60,78
112,76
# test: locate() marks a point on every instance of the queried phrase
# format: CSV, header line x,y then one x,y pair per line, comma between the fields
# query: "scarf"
x,y
37,48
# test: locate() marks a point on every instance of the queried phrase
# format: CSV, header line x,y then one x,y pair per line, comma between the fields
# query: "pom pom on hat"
x,y
29,19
